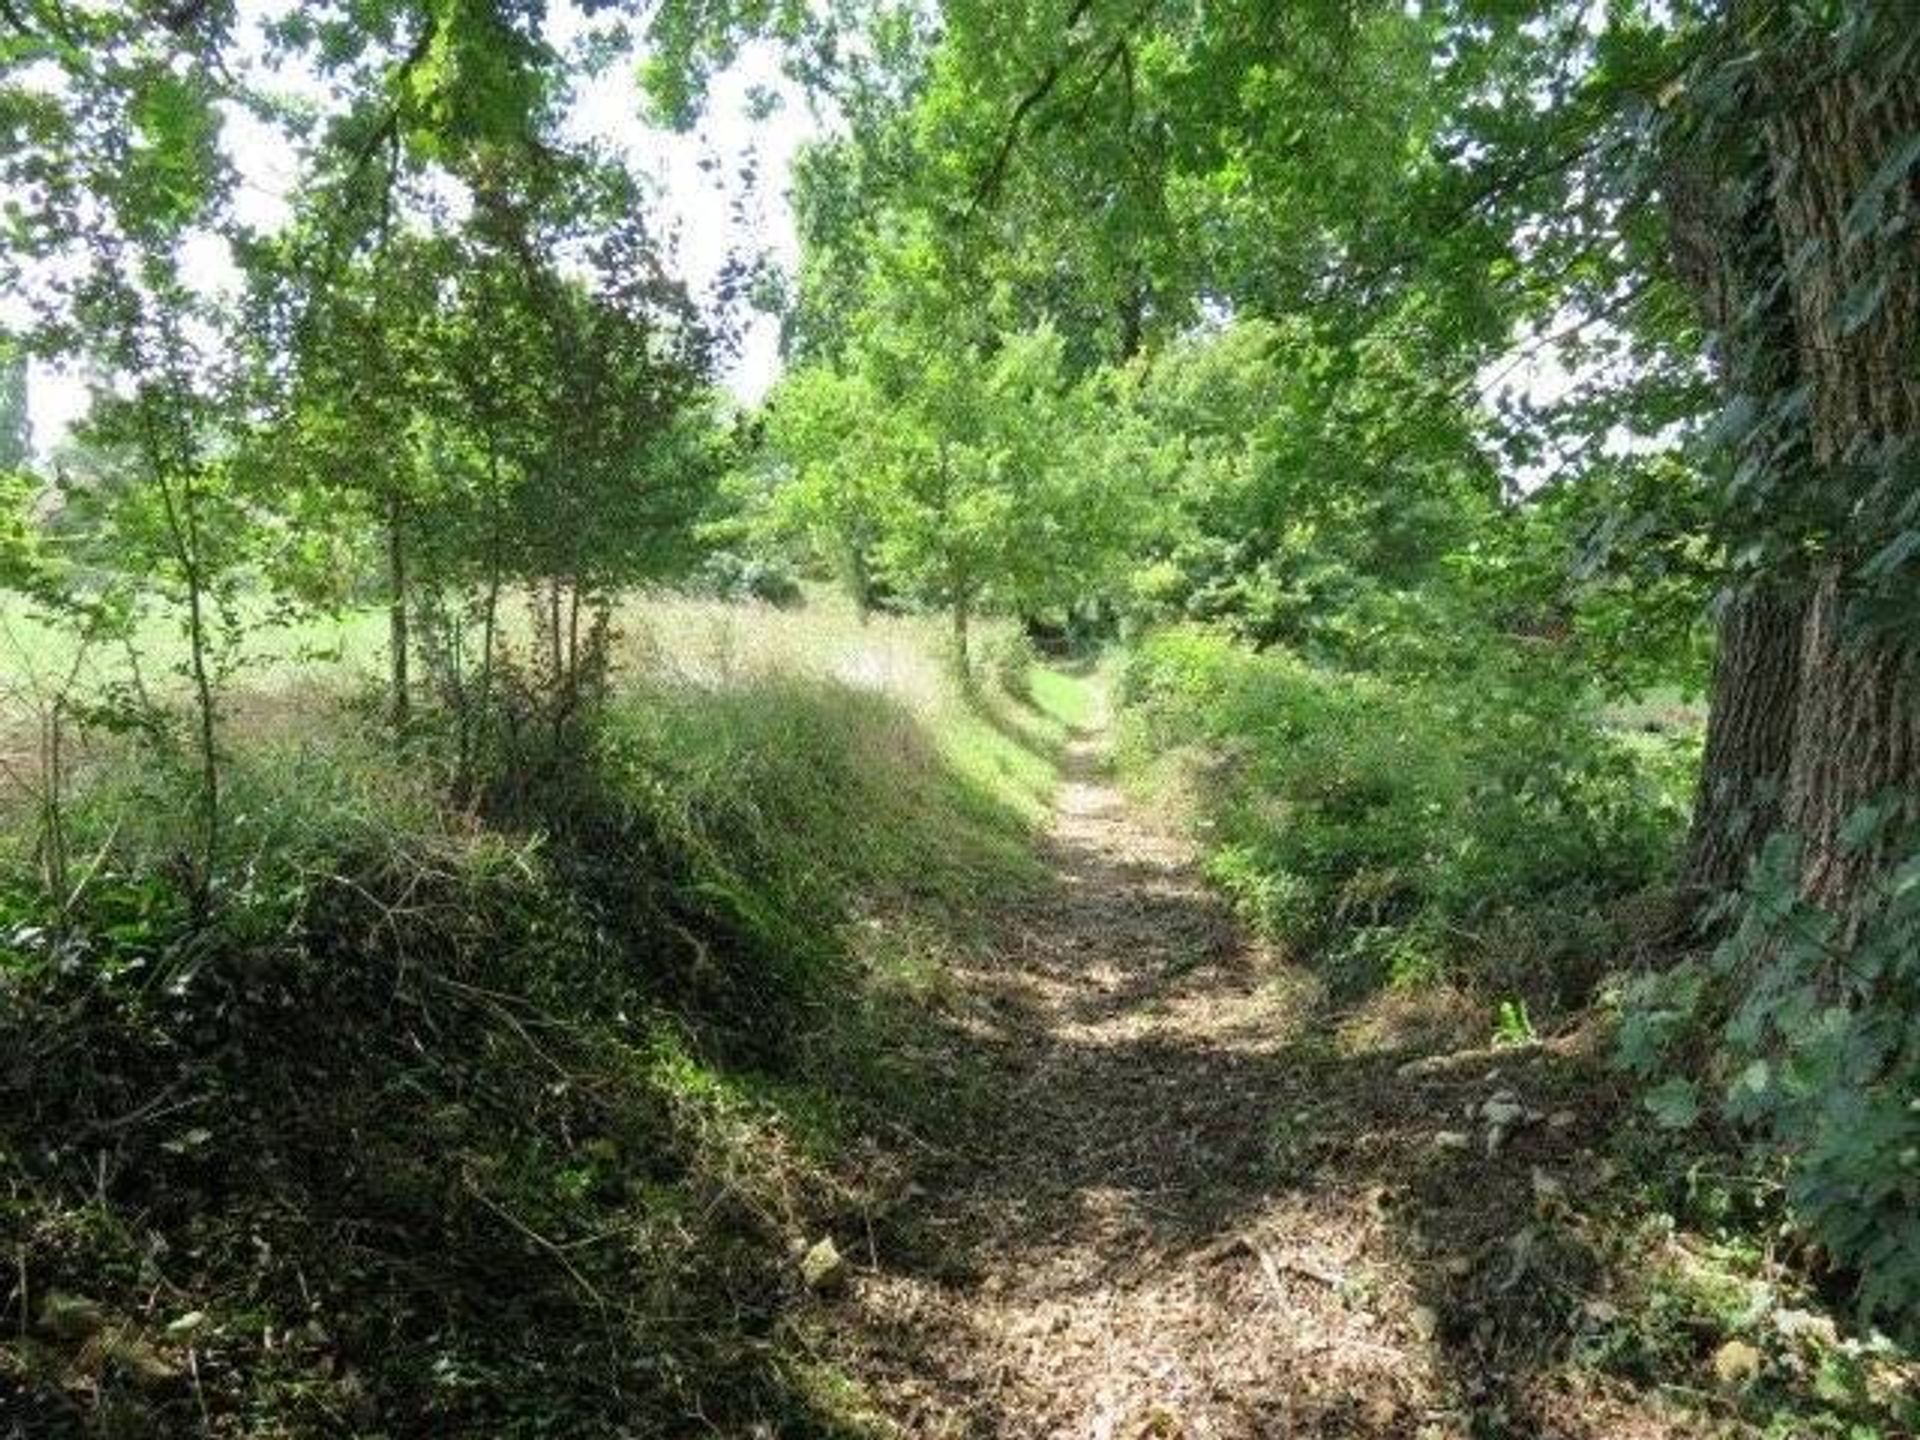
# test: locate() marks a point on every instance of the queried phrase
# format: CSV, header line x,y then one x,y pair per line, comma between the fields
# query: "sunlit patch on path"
x,y
1132,1251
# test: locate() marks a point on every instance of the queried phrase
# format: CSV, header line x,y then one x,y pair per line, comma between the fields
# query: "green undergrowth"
x,y
1793,1035
1486,829
1493,832
1719,1288
441,1124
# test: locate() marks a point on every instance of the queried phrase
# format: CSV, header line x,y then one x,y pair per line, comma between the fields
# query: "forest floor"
x,y
1209,1200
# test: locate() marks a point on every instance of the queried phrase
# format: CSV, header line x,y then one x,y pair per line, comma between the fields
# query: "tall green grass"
x,y
469,1125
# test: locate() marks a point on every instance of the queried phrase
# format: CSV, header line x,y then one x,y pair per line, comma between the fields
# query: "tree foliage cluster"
x,y
452,374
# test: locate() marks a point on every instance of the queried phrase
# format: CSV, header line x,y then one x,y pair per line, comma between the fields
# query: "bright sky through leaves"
x,y
703,200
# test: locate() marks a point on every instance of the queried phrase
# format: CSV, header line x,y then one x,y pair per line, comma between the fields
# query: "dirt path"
x,y
1208,1205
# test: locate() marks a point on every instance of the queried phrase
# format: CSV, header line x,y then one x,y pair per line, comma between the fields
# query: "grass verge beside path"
x,y
456,1128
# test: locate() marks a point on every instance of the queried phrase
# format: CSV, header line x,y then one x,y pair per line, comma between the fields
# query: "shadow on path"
x,y
1209,1205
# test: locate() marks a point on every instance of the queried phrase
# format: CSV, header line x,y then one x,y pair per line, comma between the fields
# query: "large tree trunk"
x,y
1750,723
1727,253
1834,131
1858,732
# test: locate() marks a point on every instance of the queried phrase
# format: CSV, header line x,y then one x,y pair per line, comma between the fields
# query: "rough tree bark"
x,y
1749,744
1727,253
1834,129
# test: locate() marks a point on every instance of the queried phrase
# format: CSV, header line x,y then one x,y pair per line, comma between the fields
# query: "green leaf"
x,y
1674,1103
1894,554
1863,216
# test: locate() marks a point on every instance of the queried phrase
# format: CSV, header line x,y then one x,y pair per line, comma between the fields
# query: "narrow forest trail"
x,y
1206,1205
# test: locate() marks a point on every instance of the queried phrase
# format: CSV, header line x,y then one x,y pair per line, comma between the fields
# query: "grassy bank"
x,y
451,1125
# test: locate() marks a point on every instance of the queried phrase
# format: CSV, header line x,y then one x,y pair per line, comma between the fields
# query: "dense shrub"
x,y
1801,1035
747,578
339,1107
1008,658
1403,826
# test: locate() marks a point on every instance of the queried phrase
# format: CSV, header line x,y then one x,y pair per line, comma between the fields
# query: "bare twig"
x,y
151,1110
537,1238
